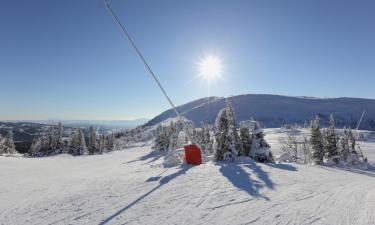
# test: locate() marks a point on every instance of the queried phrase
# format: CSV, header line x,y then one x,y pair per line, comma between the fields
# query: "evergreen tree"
x,y
260,150
36,146
93,148
111,141
7,144
345,149
60,142
102,144
1,145
331,141
226,134
245,140
316,142
352,142
162,139
78,144
82,143
232,127
222,127
173,136
207,139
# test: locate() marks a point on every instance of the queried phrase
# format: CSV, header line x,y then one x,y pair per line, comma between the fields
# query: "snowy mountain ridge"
x,y
276,110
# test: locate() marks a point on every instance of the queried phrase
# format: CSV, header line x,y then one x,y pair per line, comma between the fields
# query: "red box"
x,y
193,154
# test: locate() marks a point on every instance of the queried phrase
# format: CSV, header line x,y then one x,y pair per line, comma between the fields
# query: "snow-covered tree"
x,y
111,141
207,142
36,146
102,146
162,139
78,144
7,144
92,146
316,142
260,150
60,142
173,136
226,134
331,142
352,141
289,145
344,148
1,145
245,139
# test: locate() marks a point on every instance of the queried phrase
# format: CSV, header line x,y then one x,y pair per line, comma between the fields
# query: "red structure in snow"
x,y
193,154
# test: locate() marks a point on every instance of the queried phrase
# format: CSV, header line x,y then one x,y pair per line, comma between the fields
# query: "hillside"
x,y
133,187
275,110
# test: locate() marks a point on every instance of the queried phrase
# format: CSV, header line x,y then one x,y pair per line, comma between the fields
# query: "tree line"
x,y
224,140
53,141
322,145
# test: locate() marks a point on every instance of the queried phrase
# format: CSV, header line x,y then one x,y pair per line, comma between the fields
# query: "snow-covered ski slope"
x,y
133,187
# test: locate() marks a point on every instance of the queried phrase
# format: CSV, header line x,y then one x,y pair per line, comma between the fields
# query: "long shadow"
x,y
165,180
282,166
242,180
370,171
154,155
261,174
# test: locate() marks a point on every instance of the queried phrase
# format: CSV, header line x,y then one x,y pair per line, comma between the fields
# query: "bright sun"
x,y
210,68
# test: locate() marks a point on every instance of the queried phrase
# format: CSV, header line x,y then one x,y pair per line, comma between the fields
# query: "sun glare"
x,y
210,68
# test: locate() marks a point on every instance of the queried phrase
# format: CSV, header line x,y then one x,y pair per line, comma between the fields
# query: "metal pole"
x,y
152,74
360,120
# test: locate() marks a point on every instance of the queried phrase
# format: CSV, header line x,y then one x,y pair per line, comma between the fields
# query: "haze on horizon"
x,y
68,60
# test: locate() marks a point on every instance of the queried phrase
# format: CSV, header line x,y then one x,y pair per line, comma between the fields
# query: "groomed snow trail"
x,y
132,187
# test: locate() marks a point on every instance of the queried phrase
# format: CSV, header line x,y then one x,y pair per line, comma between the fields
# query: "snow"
x,y
276,111
134,187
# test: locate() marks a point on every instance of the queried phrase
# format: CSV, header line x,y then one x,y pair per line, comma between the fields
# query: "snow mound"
x,y
284,157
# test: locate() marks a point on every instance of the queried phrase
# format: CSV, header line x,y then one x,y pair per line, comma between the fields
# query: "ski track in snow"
x,y
132,187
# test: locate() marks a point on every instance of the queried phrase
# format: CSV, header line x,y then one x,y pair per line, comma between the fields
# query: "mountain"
x,y
276,110
103,124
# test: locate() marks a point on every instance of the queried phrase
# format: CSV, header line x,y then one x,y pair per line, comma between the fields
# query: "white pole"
x,y
127,36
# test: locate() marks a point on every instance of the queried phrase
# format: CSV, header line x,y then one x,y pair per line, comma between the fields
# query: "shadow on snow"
x,y
368,171
152,156
162,181
240,178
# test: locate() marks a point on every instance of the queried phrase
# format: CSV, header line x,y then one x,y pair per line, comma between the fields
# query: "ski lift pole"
x,y
360,120
152,74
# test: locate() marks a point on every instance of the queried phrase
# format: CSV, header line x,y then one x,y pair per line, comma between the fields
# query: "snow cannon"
x,y
193,154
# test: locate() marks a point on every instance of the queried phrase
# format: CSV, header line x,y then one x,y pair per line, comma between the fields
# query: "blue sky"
x,y
68,60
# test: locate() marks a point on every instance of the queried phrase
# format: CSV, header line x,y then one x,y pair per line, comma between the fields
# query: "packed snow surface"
x,y
133,187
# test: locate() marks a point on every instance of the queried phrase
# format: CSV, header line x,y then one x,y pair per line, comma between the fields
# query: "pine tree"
x,y
316,142
8,146
102,144
352,142
226,134
162,139
222,127
173,136
93,148
245,140
345,149
60,142
260,150
36,146
207,139
111,141
78,144
1,145
331,141
52,138
82,144
234,142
